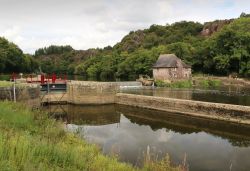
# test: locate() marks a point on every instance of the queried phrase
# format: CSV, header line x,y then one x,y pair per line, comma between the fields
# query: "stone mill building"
x,y
170,67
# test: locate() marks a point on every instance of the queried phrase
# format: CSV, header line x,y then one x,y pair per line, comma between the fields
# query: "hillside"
x,y
220,47
62,59
223,51
12,58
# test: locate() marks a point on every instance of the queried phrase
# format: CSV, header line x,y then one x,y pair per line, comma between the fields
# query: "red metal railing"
x,y
43,79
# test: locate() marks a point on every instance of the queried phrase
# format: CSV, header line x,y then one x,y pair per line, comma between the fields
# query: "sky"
x,y
32,24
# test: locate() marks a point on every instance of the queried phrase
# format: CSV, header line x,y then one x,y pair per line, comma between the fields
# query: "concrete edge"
x,y
215,105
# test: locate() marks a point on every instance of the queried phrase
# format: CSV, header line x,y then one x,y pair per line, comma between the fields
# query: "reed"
x,y
206,83
30,140
175,84
5,83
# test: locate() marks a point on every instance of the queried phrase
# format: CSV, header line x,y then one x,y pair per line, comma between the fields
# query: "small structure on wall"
x,y
170,67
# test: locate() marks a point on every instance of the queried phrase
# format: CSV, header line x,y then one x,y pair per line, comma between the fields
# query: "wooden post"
x,y
14,91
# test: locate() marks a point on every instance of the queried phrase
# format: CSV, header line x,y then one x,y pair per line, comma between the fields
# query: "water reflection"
x,y
127,131
223,94
79,115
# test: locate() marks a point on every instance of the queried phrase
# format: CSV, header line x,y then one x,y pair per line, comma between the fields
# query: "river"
x,y
128,132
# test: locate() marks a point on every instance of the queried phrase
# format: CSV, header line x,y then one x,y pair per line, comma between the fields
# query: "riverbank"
x,y
204,82
30,140
219,111
224,80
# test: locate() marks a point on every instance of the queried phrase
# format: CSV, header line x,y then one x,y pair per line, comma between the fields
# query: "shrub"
x,y
210,83
176,84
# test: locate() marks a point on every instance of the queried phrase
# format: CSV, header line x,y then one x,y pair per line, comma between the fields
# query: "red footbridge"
x,y
47,82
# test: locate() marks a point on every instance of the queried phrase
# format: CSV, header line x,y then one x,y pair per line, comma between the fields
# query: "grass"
x,y
5,83
205,83
30,140
4,77
209,83
176,84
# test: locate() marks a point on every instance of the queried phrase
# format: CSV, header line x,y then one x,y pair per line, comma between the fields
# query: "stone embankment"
x,y
26,93
226,112
90,92
96,93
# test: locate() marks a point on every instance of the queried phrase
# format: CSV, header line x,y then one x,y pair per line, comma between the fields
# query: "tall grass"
x,y
204,83
5,83
209,83
4,77
32,141
175,84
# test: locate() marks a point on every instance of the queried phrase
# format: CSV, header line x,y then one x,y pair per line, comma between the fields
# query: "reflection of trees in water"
x,y
100,115
82,115
245,143
223,94
237,135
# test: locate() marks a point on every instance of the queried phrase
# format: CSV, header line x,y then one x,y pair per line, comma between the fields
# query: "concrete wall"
x,y
90,92
54,98
84,114
26,93
232,113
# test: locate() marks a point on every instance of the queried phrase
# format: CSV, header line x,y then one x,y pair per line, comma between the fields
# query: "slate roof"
x,y
169,61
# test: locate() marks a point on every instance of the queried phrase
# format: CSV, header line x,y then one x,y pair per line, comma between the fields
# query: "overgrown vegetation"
x,y
5,77
12,59
204,83
209,83
225,51
176,84
5,84
32,141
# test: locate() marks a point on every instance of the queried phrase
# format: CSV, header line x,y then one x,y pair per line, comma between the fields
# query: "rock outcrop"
x,y
214,26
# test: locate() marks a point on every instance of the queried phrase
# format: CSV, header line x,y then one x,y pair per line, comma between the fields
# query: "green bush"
x,y
209,83
5,84
182,84
5,77
160,83
176,84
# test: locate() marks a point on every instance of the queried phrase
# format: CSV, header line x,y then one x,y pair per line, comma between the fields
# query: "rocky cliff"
x,y
214,26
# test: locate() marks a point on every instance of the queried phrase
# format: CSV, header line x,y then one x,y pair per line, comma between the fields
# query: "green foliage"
x,y
5,83
12,58
161,83
176,84
228,50
33,141
139,50
5,77
182,84
53,49
206,83
244,15
224,52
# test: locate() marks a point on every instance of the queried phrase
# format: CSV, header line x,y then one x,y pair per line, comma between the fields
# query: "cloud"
x,y
13,33
98,23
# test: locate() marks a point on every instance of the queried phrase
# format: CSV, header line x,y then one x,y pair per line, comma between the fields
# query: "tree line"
x,y
12,59
225,52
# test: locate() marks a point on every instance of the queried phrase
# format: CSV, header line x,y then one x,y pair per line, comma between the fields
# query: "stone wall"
x,y
84,114
26,93
90,92
54,98
172,73
227,112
